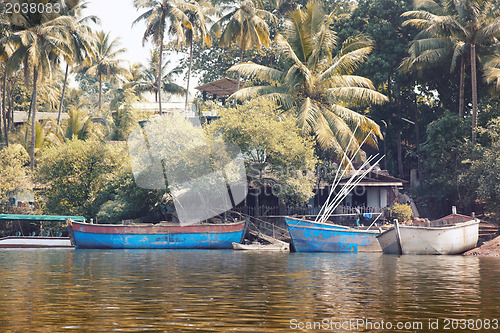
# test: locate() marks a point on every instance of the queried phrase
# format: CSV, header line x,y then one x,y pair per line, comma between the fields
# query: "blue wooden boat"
x,y
309,236
155,236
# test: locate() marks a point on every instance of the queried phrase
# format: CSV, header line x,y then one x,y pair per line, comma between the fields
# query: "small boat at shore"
x,y
309,236
34,242
452,234
155,236
282,246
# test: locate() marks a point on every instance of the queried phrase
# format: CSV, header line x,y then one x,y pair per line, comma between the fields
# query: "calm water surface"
x,y
70,290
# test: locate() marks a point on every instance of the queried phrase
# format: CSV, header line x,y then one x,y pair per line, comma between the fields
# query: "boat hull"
x,y
209,236
34,242
262,247
308,236
452,239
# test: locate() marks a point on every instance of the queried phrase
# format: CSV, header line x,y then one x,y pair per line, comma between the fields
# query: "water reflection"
x,y
219,291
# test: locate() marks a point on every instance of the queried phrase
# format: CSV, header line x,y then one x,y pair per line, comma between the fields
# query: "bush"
x,y
402,212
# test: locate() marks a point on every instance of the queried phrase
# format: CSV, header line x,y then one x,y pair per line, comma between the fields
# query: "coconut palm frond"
x,y
357,96
352,117
258,71
255,91
349,81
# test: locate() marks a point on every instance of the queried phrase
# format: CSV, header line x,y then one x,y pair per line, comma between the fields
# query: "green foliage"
x,y
272,145
127,200
319,87
124,114
482,177
442,154
401,212
14,172
75,176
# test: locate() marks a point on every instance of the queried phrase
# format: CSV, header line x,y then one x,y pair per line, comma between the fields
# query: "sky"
x,y
116,17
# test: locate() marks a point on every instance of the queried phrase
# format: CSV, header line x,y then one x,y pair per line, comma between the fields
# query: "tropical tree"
x,y
319,89
38,41
47,134
144,79
75,176
80,39
196,31
471,24
14,172
245,25
428,50
159,15
104,62
5,52
79,125
492,71
275,151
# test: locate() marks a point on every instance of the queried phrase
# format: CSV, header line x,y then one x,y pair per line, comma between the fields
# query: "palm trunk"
x,y
10,112
159,78
189,73
2,102
33,120
4,108
100,90
62,95
462,86
28,122
473,73
241,61
417,139
400,155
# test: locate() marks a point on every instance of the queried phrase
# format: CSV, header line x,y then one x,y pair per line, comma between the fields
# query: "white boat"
x,y
283,246
453,234
34,242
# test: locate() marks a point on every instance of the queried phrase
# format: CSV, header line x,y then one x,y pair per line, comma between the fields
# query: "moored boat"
x,y
282,246
34,242
309,236
155,236
452,234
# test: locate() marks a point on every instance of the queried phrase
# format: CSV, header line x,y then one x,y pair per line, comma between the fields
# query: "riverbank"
x,y
489,249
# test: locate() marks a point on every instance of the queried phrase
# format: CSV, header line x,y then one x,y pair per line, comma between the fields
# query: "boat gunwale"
x,y
160,224
33,237
341,227
444,227
156,229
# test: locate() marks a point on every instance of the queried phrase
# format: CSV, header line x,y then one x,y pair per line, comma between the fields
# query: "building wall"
x,y
376,197
372,197
383,197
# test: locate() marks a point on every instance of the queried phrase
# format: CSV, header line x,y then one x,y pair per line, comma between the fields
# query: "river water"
x,y
69,290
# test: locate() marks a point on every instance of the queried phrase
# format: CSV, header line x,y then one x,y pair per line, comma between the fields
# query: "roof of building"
x,y
377,178
222,87
22,116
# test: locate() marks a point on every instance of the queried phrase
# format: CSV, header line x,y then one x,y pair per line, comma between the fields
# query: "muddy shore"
x,y
489,249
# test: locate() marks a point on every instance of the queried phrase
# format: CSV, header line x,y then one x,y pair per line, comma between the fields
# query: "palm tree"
x,y
47,134
492,70
5,52
159,15
38,41
145,79
104,62
318,88
79,125
79,37
428,50
246,26
474,24
197,30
